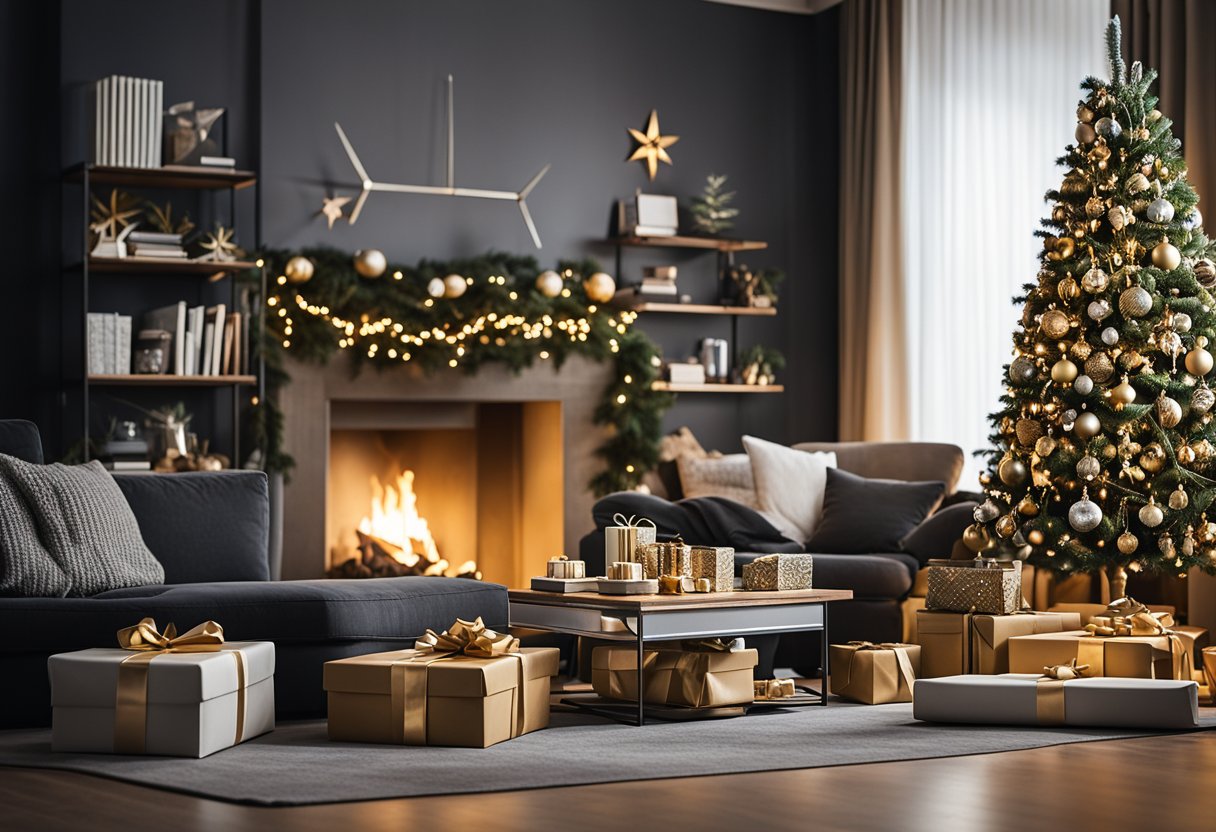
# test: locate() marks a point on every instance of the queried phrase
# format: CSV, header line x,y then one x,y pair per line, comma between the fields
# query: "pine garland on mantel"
x,y
499,318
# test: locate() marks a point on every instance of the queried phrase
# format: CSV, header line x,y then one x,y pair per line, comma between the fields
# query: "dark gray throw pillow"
x,y
864,516
935,537
86,525
26,567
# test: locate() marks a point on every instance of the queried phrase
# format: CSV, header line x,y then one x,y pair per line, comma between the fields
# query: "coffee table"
x,y
643,618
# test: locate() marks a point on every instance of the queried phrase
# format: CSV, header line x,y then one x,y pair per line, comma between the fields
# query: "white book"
x,y
208,338
123,346
191,352
120,108
137,122
155,119
128,121
97,131
96,338
112,119
107,342
197,317
217,345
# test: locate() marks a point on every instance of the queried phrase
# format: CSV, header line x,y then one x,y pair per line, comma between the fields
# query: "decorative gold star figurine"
x,y
220,247
652,145
109,219
332,208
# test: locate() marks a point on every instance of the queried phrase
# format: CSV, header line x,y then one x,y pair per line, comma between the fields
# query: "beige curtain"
x,y
1176,37
873,380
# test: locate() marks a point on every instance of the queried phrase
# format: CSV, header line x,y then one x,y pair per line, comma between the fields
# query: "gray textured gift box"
x,y
1012,699
192,708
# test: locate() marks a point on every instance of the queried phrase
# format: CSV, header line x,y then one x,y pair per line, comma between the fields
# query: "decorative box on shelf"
x,y
778,572
983,585
167,695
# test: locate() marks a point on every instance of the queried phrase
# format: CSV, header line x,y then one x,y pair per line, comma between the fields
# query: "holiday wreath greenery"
x,y
458,316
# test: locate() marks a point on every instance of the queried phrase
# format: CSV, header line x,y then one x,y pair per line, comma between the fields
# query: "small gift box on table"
x,y
163,694
717,563
564,568
469,687
1164,656
695,674
1037,699
990,635
981,585
624,540
874,674
778,572
669,557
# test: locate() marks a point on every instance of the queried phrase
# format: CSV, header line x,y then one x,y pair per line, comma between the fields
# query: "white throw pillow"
x,y
789,485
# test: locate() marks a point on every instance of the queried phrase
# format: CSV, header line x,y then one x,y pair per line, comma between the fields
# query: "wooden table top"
x,y
690,601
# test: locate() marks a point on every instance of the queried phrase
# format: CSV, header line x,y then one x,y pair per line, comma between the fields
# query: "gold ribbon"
x,y
1140,622
905,675
1049,691
147,643
408,681
627,543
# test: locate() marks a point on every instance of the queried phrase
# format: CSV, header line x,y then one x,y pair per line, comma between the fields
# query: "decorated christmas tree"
x,y
1104,452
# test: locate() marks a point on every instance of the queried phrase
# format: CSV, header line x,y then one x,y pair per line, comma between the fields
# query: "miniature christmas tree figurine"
x,y
1105,454
711,211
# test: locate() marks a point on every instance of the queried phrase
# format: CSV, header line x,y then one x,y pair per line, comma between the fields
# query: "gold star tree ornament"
x,y
652,145
332,208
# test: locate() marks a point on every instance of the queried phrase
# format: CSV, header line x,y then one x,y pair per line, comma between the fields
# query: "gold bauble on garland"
x,y
1027,507
1123,394
454,285
1153,458
370,262
298,270
1199,360
1028,431
975,538
1099,367
1063,371
1054,324
1012,471
1044,446
600,287
1035,537
1127,543
549,283
1006,526
1087,426
1169,412
1135,302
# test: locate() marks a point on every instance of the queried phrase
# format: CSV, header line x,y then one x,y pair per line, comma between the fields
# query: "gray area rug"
x,y
297,765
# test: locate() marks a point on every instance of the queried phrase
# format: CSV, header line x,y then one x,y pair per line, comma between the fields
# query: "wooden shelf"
x,y
699,309
708,243
151,380
169,176
667,386
166,265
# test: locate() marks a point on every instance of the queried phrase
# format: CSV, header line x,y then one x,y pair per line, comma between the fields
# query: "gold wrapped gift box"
x,y
874,674
953,643
1134,657
984,586
692,674
717,563
778,572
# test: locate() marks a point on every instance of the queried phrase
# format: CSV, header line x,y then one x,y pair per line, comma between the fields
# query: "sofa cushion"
x,y
20,438
282,611
203,526
870,576
789,485
26,567
727,476
935,538
863,515
86,524
908,461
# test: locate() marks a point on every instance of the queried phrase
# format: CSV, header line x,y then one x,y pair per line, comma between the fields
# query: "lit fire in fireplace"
x,y
396,540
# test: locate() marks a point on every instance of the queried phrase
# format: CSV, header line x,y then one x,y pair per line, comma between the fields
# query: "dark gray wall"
x,y
751,93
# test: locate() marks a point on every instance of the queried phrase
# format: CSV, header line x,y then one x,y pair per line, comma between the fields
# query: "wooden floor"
x,y
1157,783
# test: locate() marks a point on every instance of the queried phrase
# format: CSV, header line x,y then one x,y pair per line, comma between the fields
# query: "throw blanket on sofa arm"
x,y
700,521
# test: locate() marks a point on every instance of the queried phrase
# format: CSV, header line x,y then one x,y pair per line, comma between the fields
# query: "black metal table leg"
x,y
823,659
641,674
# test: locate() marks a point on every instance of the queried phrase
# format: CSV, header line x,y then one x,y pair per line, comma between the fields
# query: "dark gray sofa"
x,y
210,532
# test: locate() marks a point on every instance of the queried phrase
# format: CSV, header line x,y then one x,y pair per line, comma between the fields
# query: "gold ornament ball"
x,y
436,287
1063,371
600,287
1035,537
1006,526
976,538
1169,412
298,270
1166,257
454,285
1199,362
1087,426
1028,507
1127,543
549,283
370,262
1044,446
1123,394
1179,499
1054,324
1012,471
1186,455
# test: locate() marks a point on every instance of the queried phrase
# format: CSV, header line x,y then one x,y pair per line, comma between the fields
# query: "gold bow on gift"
x,y
1049,692
409,674
147,643
773,689
632,521
1063,672
472,638
1128,617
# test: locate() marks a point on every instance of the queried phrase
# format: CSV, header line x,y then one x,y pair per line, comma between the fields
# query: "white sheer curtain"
x,y
990,89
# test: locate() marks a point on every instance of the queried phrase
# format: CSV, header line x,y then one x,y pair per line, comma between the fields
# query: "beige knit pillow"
x,y
727,476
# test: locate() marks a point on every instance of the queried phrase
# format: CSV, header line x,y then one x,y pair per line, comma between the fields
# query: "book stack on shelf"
x,y
658,283
217,162
155,245
126,455
109,337
204,340
126,115
691,372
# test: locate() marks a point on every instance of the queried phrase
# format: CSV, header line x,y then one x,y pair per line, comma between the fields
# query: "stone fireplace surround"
x,y
308,404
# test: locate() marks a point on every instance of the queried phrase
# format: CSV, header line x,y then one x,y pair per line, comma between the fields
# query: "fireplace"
x,y
501,461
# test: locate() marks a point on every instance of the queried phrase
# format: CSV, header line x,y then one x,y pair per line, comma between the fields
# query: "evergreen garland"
x,y
500,318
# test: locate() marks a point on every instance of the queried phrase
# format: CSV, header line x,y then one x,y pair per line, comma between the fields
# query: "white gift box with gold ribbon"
x,y
193,703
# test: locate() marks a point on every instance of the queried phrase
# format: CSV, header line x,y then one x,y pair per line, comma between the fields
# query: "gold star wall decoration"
x,y
652,145
219,246
332,208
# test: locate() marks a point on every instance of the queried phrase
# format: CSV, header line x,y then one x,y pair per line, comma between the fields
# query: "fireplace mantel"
x,y
308,401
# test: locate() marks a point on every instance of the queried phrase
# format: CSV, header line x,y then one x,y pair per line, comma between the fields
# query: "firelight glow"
x,y
395,519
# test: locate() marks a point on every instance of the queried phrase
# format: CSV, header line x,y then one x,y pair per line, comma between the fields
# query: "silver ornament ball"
x,y
1099,310
1108,128
1110,336
1182,322
1135,302
1022,370
1084,515
1088,467
1160,211
1084,385
1095,281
